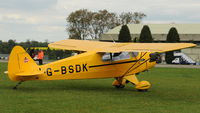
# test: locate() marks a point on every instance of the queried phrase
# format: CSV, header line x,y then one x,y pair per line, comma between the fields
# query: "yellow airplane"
x,y
122,61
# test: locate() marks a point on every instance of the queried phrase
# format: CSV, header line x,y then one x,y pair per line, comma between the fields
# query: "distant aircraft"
x,y
122,61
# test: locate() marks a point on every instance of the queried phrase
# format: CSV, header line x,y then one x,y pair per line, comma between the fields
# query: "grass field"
x,y
173,91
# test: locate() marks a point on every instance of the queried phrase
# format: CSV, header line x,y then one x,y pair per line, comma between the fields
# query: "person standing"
x,y
32,53
40,57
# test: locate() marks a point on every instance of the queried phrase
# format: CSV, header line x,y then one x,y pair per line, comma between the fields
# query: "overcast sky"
x,y
46,19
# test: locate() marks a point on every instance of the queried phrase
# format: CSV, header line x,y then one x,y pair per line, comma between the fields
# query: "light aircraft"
x,y
122,61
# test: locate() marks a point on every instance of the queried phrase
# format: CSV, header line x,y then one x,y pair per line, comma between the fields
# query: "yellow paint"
x,y
88,65
21,62
132,79
143,85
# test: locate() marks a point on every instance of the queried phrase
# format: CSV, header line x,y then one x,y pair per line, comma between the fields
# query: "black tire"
x,y
142,90
119,86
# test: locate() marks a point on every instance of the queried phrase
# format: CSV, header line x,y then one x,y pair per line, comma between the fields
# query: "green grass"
x,y
173,91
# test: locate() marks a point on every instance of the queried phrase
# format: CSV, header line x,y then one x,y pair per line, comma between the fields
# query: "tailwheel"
x,y
143,86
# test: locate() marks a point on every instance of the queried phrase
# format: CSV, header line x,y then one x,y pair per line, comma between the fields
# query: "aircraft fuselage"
x,y
90,65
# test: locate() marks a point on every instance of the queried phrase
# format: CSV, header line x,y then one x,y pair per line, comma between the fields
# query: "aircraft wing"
x,y
86,45
79,45
149,47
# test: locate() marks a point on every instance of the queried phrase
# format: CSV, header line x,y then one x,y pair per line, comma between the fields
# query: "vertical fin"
x,y
19,62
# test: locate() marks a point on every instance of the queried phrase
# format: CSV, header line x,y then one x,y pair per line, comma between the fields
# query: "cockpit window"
x,y
107,57
119,56
116,56
134,54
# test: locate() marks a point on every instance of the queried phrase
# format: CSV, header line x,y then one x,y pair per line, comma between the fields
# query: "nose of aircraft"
x,y
155,57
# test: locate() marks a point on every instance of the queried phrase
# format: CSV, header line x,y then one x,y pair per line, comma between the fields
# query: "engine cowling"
x,y
155,57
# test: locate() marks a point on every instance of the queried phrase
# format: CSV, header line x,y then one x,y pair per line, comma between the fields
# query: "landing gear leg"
x,y
119,83
17,84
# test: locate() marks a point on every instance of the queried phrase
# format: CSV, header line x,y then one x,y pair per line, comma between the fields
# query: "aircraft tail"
x,y
21,66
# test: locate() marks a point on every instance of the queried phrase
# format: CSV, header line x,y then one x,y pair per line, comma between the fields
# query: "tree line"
x,y
6,47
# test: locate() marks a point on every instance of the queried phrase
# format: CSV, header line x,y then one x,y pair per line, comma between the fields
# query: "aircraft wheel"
x,y
142,90
119,86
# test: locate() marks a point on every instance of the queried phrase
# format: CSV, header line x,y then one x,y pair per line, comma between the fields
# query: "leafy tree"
x,y
138,16
101,22
6,47
130,17
79,24
11,44
84,24
145,35
124,34
172,37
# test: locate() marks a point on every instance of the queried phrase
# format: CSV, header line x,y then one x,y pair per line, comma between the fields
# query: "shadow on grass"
x,y
70,85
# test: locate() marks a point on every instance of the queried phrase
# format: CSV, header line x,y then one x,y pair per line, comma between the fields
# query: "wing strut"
x,y
131,68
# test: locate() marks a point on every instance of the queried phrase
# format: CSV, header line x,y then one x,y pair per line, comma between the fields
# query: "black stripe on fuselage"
x,y
113,63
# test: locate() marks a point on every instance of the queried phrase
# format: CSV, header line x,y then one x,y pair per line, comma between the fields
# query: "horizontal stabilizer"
x,y
6,72
29,73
